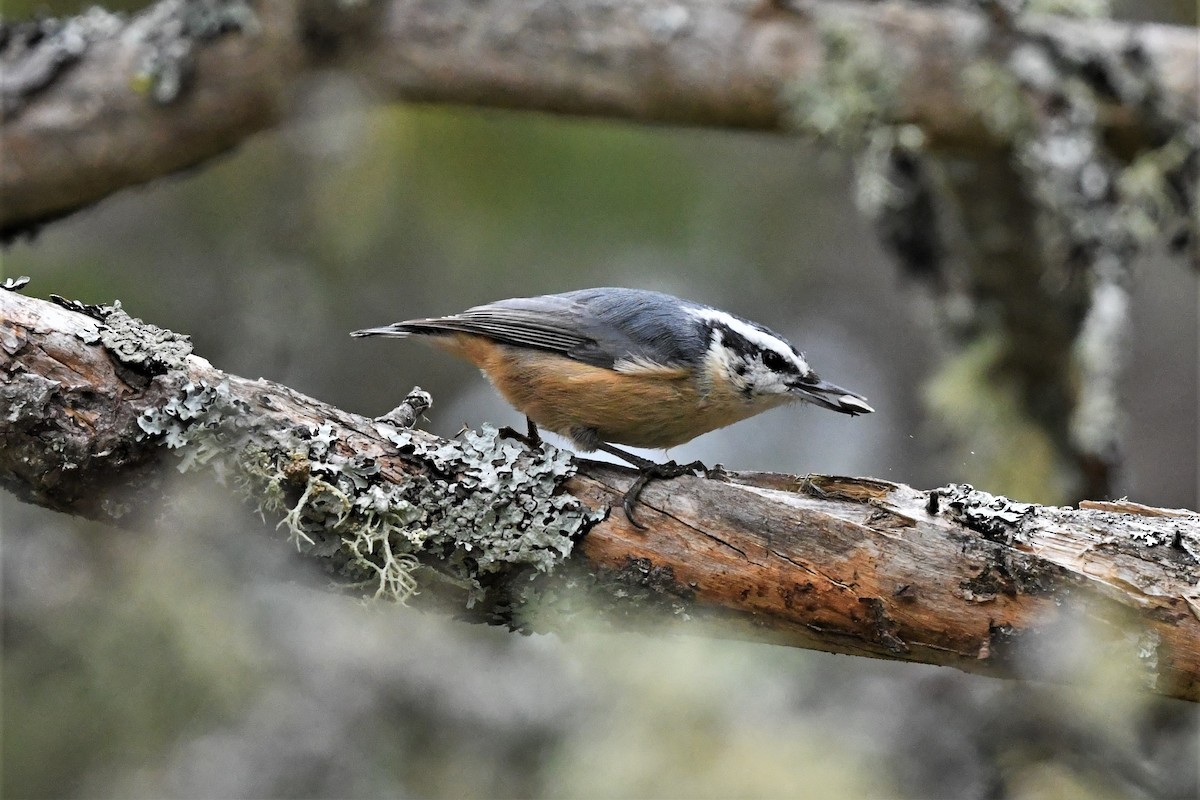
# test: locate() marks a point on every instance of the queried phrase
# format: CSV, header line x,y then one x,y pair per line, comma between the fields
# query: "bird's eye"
x,y
775,362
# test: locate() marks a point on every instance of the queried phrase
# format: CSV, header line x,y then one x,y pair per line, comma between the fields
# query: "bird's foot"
x,y
648,471
531,438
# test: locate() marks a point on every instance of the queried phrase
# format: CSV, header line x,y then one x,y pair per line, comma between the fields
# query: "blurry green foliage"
x,y
1072,8
112,669
470,179
29,9
995,442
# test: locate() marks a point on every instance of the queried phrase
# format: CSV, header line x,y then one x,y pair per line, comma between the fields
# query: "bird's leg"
x,y
647,471
531,428
531,438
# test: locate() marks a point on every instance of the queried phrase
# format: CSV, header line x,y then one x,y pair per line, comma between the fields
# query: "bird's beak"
x,y
831,396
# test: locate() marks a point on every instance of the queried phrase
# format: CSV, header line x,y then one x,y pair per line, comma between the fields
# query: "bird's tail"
x,y
400,330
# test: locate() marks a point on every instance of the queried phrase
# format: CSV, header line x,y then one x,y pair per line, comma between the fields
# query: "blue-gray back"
x,y
595,326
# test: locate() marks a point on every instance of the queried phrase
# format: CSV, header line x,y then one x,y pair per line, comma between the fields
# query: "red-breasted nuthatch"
x,y
628,366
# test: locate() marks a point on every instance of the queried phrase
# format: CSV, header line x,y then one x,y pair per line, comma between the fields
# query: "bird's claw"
x,y
648,473
531,438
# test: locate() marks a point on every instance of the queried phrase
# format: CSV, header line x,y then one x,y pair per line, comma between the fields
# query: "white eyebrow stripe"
x,y
752,334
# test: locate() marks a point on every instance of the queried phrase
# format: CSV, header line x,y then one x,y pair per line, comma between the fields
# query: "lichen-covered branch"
x,y
99,408
95,397
1027,250
100,102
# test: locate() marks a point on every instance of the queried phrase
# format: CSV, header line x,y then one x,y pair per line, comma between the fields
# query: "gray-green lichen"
x,y
481,508
1091,195
137,344
996,517
140,344
853,92
1098,210
170,34
1005,570
1083,9
852,101
33,54
1044,95
894,190
1097,205
994,93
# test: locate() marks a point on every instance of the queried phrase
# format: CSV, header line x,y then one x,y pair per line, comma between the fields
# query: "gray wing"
x,y
595,326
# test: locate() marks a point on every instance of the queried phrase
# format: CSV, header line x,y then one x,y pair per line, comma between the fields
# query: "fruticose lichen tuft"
x,y
481,506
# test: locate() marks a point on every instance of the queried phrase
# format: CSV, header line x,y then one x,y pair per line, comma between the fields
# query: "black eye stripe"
x,y
775,362
749,351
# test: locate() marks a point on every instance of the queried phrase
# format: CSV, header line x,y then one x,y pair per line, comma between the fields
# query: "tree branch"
x,y
95,402
130,101
100,103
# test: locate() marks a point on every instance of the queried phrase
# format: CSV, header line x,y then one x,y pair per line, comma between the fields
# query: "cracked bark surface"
x,y
846,565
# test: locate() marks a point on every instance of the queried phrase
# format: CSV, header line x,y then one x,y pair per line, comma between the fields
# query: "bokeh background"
x,y
198,661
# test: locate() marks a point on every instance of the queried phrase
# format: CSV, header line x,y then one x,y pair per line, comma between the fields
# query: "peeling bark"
x,y
92,402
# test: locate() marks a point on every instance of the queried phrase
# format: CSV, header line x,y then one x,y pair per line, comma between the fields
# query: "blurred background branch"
x,y
100,102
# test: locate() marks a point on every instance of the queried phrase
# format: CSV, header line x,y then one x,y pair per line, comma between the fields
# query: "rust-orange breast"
x,y
645,406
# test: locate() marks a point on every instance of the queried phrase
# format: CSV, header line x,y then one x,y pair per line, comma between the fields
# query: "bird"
x,y
614,366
